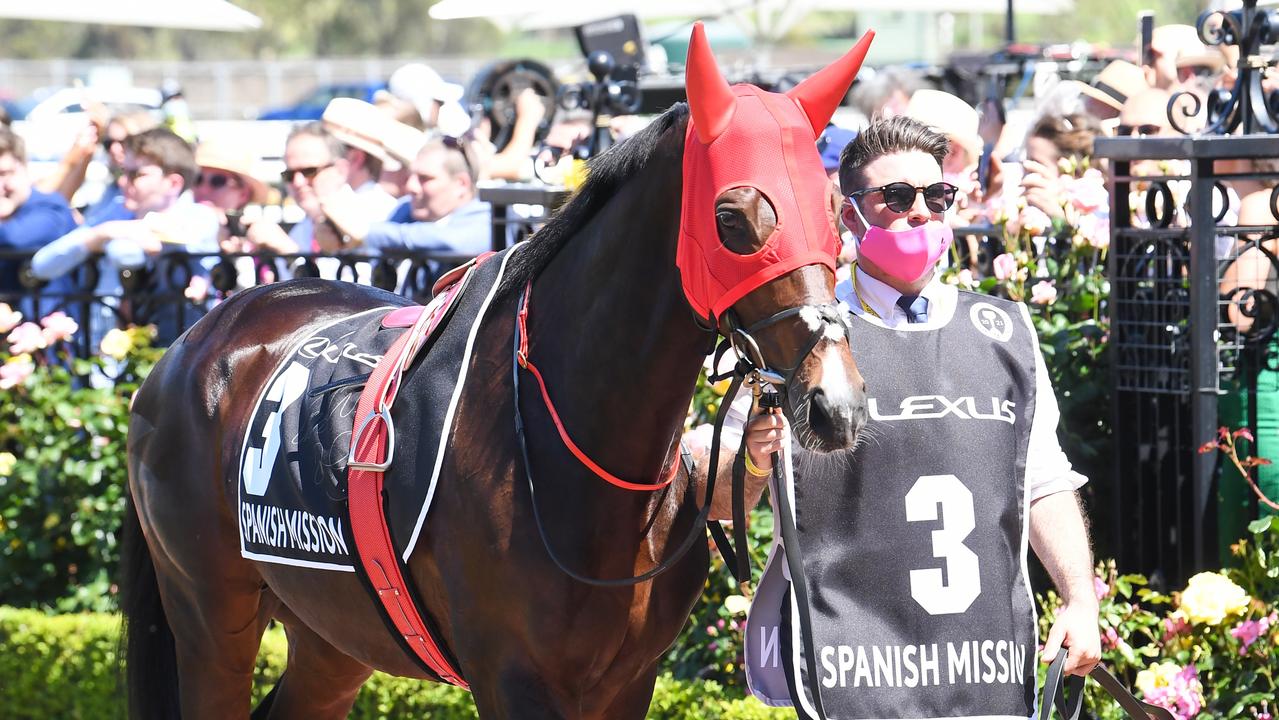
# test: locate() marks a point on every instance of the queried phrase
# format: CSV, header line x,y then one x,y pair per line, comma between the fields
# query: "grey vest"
x,y
913,544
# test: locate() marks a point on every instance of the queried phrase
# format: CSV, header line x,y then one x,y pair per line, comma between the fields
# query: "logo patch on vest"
x,y
991,321
926,407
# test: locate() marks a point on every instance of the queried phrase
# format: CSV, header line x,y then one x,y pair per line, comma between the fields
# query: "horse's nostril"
x,y
820,417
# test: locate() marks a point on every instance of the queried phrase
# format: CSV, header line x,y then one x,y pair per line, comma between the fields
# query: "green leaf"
x,y
1263,524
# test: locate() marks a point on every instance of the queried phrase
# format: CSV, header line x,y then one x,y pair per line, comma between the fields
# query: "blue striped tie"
x,y
915,307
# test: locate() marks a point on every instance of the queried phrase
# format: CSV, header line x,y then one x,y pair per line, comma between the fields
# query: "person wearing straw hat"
x,y
401,143
225,178
360,126
1105,96
442,212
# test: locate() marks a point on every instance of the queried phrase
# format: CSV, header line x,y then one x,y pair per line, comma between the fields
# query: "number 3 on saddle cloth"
x,y
307,499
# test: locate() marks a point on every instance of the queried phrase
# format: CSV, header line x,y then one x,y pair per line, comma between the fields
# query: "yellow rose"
x,y
7,463
117,343
576,175
1156,676
721,387
1210,597
737,604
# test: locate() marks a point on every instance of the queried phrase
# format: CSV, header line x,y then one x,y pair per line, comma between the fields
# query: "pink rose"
x,y
1005,266
1088,193
1043,293
1110,639
26,338
1173,626
9,318
58,327
16,371
1100,587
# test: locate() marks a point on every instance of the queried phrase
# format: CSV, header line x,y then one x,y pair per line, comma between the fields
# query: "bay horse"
x,y
613,334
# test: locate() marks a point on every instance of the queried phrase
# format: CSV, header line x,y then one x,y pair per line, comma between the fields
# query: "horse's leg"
x,y
518,691
633,701
321,682
217,631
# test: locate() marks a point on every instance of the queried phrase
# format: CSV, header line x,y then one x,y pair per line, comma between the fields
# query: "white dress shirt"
x,y
1048,470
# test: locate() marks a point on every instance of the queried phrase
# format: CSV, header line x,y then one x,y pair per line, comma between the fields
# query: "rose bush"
x,y
62,460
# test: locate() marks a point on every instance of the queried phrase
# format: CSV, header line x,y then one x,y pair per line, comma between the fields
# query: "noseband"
x,y
750,360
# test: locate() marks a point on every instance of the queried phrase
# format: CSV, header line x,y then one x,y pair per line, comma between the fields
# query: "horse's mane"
x,y
606,174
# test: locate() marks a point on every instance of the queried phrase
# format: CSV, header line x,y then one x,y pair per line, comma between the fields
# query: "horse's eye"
x,y
727,218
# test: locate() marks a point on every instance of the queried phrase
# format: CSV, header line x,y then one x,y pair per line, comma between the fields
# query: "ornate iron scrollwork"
x,y
1247,104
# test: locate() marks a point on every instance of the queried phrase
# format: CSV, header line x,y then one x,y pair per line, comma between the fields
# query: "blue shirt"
x,y
465,231
43,218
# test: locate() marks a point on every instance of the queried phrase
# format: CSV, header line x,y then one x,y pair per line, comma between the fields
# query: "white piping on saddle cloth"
x,y
457,393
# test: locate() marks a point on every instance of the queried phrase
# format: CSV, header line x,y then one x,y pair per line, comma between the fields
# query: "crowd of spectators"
x,y
402,173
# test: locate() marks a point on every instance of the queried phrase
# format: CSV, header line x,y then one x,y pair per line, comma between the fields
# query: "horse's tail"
x,y
149,650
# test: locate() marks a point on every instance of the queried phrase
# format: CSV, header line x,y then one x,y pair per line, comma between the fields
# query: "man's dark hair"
x,y
315,128
166,149
887,137
11,144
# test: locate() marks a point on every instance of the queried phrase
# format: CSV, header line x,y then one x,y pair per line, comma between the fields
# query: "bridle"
x,y
750,368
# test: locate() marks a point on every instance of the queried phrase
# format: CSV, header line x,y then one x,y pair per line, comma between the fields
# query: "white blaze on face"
x,y
839,393
813,321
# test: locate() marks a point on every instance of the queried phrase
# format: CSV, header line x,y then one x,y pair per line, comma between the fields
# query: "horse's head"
x,y
758,236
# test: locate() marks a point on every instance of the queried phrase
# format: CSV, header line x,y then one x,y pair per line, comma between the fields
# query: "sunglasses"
x,y
307,173
109,142
900,196
131,175
1139,130
215,181
460,145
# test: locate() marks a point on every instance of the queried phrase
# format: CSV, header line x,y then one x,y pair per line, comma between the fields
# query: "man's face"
x,y
915,168
221,189
146,187
435,192
311,171
15,185
113,142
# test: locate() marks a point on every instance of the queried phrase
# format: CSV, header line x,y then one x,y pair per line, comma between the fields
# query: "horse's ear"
x,y
825,89
709,97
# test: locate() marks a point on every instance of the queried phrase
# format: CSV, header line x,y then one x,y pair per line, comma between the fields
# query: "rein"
x,y
750,366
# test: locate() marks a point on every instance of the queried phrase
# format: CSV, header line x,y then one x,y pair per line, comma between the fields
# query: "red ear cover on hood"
x,y
824,90
709,98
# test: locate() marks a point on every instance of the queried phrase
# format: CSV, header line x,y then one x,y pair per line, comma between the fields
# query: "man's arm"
x,y
1059,536
762,434
69,251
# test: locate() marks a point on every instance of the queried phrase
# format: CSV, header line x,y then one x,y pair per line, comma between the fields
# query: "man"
x,y
314,168
225,181
360,127
1167,44
963,418
442,212
158,168
29,218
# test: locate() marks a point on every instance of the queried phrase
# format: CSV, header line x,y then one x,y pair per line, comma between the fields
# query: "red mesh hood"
x,y
746,137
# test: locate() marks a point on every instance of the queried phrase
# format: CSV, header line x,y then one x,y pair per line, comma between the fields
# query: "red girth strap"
x,y
527,364
372,450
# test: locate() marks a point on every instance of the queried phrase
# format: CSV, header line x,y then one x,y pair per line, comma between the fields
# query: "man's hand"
x,y
1076,628
763,437
1042,188
270,236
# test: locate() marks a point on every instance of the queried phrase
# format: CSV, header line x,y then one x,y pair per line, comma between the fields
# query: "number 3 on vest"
x,y
927,586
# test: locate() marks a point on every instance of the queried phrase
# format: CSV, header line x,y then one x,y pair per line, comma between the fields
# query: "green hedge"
x,y
65,666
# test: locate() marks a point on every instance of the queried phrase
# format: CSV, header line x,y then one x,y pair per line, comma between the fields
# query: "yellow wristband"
x,y
750,466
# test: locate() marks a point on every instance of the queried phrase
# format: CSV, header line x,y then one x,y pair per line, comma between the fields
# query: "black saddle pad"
x,y
293,474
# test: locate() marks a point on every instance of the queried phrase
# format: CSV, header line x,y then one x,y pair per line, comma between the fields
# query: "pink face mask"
x,y
904,254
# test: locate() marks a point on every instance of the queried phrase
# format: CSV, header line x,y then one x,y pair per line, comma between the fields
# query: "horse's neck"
x,y
615,332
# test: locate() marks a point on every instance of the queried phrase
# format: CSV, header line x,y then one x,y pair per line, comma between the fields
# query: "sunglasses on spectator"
x,y
216,180
308,173
1146,129
132,174
459,144
108,142
900,196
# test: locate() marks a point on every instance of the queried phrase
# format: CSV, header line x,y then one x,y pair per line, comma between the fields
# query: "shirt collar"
x,y
882,299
